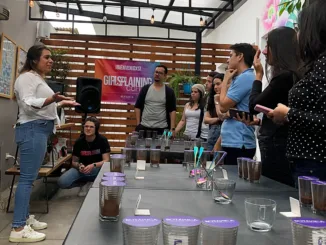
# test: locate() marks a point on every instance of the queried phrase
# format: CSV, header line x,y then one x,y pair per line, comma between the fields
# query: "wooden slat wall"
x,y
117,120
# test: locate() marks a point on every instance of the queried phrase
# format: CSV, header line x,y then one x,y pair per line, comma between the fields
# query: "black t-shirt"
x,y
91,152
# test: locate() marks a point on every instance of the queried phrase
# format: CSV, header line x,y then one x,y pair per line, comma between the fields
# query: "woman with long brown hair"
x,y
36,119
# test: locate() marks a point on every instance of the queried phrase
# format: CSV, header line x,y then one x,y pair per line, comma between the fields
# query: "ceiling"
x,y
182,15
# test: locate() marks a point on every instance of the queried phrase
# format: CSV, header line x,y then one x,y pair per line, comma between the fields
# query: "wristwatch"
x,y
94,164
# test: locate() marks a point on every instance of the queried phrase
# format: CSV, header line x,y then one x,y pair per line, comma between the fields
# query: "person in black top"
x,y
155,107
283,59
90,151
306,112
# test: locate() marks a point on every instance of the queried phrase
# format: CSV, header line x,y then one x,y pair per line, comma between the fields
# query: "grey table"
x,y
87,229
175,177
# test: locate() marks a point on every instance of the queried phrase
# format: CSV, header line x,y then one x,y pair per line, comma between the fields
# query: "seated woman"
x,y
211,118
193,114
90,151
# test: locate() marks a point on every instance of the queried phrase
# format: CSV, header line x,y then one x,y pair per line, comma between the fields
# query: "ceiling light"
x,y
57,12
31,3
105,18
202,23
153,18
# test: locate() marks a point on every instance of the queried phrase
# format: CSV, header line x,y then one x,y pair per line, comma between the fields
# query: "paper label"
x,y
295,209
225,174
141,165
177,240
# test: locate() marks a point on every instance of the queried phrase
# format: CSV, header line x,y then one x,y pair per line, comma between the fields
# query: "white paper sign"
x,y
295,209
138,212
178,240
319,237
225,174
136,175
141,165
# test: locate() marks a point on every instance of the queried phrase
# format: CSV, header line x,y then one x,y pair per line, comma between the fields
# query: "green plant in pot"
x,y
60,67
184,77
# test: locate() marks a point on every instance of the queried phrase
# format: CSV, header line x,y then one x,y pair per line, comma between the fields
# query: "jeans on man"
x,y
31,138
73,178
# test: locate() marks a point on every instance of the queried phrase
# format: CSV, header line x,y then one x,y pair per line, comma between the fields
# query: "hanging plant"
x,y
290,6
182,77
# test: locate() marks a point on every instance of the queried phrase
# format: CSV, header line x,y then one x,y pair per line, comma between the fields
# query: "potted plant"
x,y
184,77
60,67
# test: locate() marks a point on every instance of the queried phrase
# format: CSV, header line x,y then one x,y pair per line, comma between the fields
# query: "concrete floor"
x,y
63,208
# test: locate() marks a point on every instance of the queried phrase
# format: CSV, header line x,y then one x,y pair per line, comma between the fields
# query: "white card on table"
x,y
144,212
141,165
136,175
295,209
225,174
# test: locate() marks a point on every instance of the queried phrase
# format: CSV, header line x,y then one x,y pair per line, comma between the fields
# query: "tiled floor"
x,y
62,211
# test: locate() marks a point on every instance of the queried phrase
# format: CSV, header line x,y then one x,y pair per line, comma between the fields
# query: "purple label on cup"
x,y
308,178
118,156
187,221
221,222
308,222
318,182
116,174
141,221
113,183
115,178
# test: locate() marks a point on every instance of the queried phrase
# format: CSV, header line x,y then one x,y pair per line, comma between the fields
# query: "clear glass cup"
x,y
308,231
254,171
141,134
245,167
128,140
154,135
223,190
117,163
318,189
133,140
204,144
157,143
148,143
260,213
189,145
155,157
239,161
166,144
128,153
148,133
141,154
305,195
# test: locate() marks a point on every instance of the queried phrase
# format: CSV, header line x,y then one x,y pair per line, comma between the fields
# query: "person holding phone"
x,y
238,139
306,111
283,59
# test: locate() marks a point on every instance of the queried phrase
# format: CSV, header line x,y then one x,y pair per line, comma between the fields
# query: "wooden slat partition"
x,y
117,120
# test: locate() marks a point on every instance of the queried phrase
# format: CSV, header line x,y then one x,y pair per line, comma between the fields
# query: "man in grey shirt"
x,y
155,107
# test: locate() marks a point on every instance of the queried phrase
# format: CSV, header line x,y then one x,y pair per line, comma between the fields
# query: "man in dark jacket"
x,y
155,107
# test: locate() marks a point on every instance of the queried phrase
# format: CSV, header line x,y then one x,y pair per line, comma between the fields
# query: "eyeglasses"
x,y
158,72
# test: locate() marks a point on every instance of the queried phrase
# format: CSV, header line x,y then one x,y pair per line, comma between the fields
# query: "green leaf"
x,y
281,11
298,5
291,8
286,3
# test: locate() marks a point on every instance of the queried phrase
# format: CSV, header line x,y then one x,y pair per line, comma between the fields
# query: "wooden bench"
x,y
44,173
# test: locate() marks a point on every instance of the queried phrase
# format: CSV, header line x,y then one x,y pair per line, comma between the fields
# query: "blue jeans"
x,y
73,178
301,167
31,138
213,134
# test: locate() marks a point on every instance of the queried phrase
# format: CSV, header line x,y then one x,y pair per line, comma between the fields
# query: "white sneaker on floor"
x,y
26,235
84,189
35,224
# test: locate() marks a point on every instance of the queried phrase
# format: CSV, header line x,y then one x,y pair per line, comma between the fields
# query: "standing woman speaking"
x,y
36,119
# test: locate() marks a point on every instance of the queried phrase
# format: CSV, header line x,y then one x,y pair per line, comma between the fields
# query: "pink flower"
x,y
270,14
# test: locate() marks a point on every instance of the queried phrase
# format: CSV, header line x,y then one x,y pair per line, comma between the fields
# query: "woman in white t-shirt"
x,y
37,115
193,115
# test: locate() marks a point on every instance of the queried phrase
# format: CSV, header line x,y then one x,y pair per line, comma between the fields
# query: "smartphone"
x,y
234,112
262,109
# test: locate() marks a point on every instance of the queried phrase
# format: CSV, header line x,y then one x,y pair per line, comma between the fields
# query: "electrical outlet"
x,y
7,156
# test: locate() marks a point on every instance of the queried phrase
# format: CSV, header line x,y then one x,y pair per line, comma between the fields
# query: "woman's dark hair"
x,y
211,101
34,54
96,123
312,35
201,101
283,45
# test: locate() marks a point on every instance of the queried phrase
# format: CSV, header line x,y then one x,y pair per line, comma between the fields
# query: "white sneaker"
x,y
84,189
35,224
26,235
